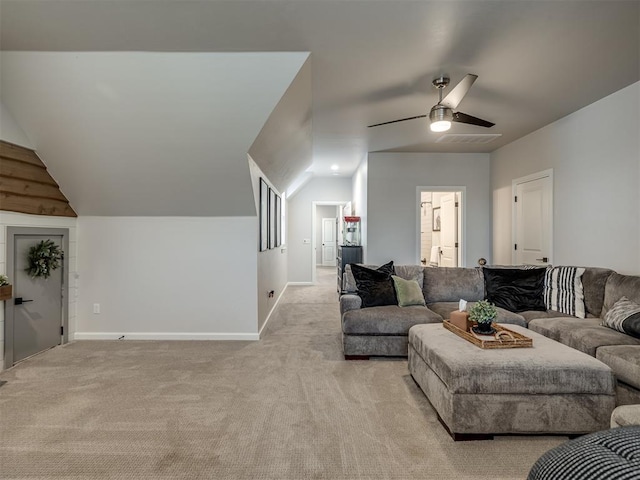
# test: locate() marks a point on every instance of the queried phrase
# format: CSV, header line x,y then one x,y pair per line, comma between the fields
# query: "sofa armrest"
x,y
349,301
625,416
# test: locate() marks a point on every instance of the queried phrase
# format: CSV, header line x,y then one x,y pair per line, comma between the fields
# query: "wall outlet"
x,y
96,308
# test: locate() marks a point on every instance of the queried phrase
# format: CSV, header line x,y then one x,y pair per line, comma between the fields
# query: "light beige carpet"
x,y
287,407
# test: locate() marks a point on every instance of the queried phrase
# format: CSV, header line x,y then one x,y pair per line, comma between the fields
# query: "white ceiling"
x,y
373,61
136,134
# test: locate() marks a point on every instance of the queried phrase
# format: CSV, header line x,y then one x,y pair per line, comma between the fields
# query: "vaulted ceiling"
x,y
370,62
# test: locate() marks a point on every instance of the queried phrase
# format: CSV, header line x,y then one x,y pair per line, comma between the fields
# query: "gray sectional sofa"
x,y
383,330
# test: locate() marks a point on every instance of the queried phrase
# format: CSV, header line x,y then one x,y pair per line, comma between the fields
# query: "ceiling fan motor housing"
x,y
440,113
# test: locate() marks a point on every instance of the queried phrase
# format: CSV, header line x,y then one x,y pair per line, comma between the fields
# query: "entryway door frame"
x,y
462,220
314,245
547,175
9,316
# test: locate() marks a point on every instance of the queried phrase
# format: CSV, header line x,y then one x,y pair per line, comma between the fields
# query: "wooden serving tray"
x,y
518,341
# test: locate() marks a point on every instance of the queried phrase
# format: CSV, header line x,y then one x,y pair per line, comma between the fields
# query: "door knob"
x,y
543,259
20,301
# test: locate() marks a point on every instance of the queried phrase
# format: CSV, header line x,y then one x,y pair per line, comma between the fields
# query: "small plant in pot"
x,y
5,288
484,314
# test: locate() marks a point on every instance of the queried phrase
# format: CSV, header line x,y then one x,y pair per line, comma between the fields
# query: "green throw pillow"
x,y
408,292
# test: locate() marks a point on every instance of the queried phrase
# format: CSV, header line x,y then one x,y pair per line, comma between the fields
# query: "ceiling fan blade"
x,y
464,118
455,96
395,121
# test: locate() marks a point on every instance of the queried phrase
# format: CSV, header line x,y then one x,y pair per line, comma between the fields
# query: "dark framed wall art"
x,y
264,216
436,219
278,221
272,218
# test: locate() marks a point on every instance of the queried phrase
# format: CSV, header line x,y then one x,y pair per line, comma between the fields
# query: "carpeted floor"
x,y
287,407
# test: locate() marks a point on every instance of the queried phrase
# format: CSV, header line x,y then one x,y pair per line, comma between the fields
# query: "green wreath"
x,y
43,259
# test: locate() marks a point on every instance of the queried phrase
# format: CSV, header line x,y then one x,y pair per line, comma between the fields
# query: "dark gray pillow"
x,y
375,287
515,289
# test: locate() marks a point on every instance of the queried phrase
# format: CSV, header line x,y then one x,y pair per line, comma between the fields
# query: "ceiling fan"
x,y
442,114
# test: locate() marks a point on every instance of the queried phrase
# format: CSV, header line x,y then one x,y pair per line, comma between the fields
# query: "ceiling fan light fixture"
x,y
440,117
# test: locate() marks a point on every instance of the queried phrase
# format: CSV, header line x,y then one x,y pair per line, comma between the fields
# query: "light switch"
x,y
96,308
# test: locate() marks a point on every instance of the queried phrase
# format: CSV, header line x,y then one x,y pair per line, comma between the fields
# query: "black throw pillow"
x,y
515,289
375,287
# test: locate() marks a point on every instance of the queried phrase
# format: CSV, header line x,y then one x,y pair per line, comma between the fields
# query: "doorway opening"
x,y
37,317
326,235
441,226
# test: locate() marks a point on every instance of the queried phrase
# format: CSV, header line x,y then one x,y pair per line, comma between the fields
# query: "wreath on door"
x,y
43,258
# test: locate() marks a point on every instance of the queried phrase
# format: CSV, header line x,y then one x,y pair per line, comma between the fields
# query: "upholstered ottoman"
x,y
547,389
607,455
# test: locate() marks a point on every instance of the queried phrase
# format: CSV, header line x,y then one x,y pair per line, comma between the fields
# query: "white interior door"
x,y
329,242
533,220
448,231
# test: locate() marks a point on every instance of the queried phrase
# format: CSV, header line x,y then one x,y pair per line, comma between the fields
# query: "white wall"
x,y
595,157
359,202
392,205
167,277
10,131
11,219
300,208
272,263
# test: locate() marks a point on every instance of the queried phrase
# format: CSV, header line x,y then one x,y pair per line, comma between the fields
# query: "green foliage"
x,y
4,280
43,259
483,312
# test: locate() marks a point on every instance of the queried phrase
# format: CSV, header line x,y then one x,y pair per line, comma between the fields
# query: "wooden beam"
x,y
25,171
30,188
36,206
14,152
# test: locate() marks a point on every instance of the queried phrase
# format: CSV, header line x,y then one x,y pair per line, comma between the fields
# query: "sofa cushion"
x,y
515,289
375,287
563,290
533,314
386,320
619,286
408,292
624,317
410,272
624,360
444,309
593,282
450,284
584,334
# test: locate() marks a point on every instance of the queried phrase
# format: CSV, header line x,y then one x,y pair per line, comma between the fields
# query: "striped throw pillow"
x,y
563,290
624,317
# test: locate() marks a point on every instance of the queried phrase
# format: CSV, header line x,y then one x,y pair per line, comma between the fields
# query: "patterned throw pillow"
x,y
624,317
375,287
515,289
408,292
563,290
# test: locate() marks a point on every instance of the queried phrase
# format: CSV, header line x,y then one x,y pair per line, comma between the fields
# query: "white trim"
x,y
514,185
462,220
163,336
271,311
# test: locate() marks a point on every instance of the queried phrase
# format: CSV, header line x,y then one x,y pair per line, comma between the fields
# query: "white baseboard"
x,y
300,283
163,336
271,311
